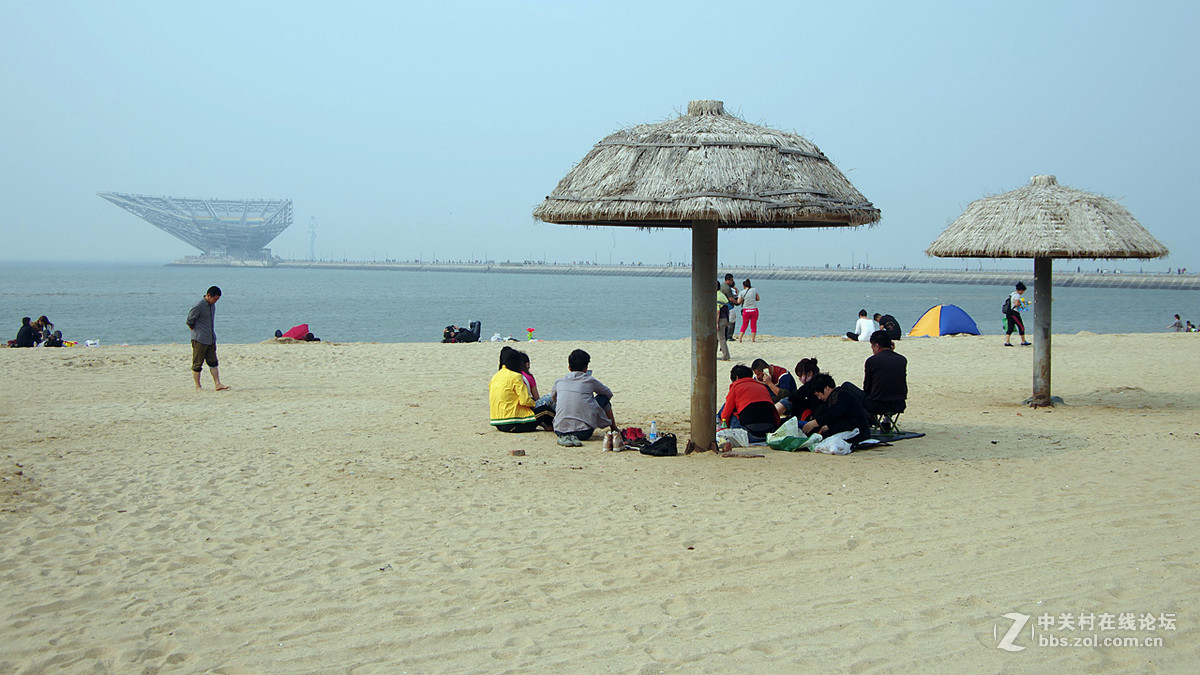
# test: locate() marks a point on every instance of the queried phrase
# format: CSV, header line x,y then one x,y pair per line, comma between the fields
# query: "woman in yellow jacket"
x,y
512,407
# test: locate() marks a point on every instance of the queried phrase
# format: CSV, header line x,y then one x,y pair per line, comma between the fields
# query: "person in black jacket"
x,y
885,376
26,335
843,410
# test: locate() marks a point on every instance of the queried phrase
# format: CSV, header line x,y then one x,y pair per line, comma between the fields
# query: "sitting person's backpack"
x,y
665,446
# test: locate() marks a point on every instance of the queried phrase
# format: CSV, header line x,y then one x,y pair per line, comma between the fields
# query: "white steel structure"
x,y
232,228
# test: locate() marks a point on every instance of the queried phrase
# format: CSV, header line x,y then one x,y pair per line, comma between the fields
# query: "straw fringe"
x,y
1046,220
706,166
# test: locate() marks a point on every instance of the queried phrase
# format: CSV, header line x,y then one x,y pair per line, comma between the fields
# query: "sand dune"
x,y
347,507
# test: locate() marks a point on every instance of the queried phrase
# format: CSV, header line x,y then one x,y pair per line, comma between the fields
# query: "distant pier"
x,y
1184,282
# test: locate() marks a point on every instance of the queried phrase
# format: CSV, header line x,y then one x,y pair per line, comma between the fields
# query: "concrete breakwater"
x,y
1189,282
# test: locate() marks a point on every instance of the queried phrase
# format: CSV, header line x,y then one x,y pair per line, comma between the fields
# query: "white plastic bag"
x,y
738,438
789,428
837,444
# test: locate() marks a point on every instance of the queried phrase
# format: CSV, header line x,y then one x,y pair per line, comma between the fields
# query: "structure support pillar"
x,y
704,336
1042,309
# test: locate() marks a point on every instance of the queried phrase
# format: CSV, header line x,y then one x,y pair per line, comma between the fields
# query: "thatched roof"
x,y
706,166
1046,220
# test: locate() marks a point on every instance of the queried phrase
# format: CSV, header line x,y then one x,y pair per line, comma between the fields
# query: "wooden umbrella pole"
x,y
1042,309
704,336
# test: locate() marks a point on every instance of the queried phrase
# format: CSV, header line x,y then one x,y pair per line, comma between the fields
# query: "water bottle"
x,y
653,432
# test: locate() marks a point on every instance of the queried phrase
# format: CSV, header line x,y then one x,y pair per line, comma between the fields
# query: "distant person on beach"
x,y
26,334
1177,326
722,322
539,399
200,321
1190,328
748,403
863,328
843,410
749,301
777,378
528,376
731,295
803,400
582,403
1012,305
44,329
511,406
885,377
55,340
459,334
888,323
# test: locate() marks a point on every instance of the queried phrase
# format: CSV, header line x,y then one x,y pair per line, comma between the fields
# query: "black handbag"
x,y
665,446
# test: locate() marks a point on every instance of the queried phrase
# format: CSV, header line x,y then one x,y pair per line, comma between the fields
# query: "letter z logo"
x,y
1006,643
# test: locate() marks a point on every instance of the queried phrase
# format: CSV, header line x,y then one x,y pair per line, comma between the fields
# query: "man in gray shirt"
x,y
729,288
581,402
204,338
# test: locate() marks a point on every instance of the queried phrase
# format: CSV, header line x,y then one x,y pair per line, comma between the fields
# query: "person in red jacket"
x,y
748,404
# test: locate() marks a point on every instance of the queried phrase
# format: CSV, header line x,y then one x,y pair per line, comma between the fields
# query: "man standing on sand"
x,y
204,338
731,294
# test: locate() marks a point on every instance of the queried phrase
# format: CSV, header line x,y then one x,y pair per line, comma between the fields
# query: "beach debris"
x,y
741,454
517,453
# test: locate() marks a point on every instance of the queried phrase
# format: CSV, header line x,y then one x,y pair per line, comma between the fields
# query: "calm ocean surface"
x,y
146,304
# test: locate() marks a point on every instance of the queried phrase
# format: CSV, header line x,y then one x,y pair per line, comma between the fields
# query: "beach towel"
x,y
297,332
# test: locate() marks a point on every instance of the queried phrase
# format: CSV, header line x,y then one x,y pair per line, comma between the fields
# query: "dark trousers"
x,y
1015,323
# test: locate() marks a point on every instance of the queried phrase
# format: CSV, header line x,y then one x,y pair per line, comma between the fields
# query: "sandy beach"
x,y
346,507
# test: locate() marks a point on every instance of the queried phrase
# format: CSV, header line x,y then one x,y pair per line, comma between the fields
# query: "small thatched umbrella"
x,y
1043,221
705,170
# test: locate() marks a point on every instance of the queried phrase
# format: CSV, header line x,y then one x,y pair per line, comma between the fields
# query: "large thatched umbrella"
x,y
705,170
1043,221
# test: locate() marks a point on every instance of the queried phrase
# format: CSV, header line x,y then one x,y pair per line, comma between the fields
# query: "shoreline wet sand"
x,y
346,504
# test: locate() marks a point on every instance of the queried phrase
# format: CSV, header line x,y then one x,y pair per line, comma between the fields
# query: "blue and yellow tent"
x,y
944,320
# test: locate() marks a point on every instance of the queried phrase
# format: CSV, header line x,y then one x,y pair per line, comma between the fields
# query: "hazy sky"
x,y
411,130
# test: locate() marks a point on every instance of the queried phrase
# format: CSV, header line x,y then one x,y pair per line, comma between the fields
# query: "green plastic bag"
x,y
786,443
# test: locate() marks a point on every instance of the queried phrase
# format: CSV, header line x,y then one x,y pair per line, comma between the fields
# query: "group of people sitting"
x,y
866,326
762,396
576,406
38,333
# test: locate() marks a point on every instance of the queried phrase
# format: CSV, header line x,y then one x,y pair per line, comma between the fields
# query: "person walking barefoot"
x,y
200,322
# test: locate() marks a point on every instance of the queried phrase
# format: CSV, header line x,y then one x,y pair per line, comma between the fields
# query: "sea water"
x,y
143,303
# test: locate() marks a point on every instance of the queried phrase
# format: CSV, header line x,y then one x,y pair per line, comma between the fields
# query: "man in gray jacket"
x,y
581,402
204,338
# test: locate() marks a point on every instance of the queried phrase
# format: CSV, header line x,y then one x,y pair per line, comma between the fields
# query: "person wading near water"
x,y
204,338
